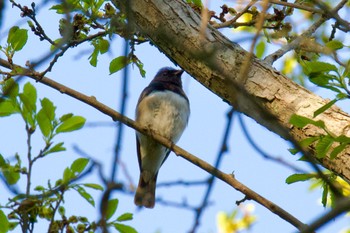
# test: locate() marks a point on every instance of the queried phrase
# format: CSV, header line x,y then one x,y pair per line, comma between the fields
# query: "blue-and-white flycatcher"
x,y
164,109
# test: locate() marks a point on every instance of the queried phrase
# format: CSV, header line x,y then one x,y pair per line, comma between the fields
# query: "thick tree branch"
x,y
116,116
174,28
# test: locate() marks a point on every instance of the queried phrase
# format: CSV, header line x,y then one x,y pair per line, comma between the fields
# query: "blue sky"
x,y
202,138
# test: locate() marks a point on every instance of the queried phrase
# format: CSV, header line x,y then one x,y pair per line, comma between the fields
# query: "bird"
x,y
164,109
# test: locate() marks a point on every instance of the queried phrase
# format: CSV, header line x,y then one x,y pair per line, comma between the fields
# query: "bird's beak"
x,y
178,72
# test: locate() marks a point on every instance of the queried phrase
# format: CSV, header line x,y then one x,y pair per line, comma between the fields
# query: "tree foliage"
x,y
318,60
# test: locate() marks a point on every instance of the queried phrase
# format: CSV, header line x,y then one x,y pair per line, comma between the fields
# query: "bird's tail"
x,y
145,192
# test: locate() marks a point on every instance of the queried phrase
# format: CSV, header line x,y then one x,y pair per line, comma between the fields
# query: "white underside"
x,y
165,113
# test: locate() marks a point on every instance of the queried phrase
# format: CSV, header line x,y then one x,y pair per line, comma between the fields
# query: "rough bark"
x,y
216,63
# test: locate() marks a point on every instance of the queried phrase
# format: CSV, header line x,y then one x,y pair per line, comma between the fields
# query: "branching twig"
x,y
239,14
270,59
223,149
227,178
262,152
123,99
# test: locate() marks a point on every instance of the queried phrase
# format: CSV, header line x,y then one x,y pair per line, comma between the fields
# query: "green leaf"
x,y
7,107
71,124
260,49
112,207
337,150
324,195
45,117
94,186
17,38
79,165
39,188
49,108
324,107
29,97
44,123
13,225
93,58
293,151
118,64
124,228
2,161
10,88
335,44
103,46
85,195
67,175
11,174
66,117
321,79
308,141
343,139
319,67
62,211
301,121
125,217
323,145
299,177
4,223
56,148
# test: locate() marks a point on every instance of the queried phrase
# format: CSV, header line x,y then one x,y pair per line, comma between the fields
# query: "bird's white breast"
x,y
165,112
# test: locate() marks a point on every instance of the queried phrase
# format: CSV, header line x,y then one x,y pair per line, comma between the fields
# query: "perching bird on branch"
x,y
164,109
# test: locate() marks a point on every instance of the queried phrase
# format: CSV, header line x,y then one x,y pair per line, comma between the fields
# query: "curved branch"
x,y
267,96
116,116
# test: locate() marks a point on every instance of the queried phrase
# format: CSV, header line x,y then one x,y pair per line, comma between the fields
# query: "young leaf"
x,y
103,46
10,88
17,38
118,64
11,174
301,121
260,48
7,107
293,151
337,150
299,177
79,165
319,67
323,145
44,123
49,108
94,186
343,139
29,92
4,223
124,228
125,217
85,195
112,207
66,117
308,141
324,107
324,195
71,124
67,175
334,44
56,148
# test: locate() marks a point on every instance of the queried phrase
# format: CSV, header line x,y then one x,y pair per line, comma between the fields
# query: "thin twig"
x,y
222,151
262,152
243,74
270,59
239,14
227,178
123,99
